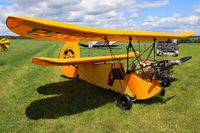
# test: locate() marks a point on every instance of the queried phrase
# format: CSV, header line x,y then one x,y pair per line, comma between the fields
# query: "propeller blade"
x,y
184,59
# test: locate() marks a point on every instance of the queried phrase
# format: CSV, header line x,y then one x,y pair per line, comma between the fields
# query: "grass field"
x,y
39,99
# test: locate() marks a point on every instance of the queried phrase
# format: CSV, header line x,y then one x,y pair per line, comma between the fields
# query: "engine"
x,y
162,70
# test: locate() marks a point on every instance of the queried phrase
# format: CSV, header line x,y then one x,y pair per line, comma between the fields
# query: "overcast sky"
x,y
145,15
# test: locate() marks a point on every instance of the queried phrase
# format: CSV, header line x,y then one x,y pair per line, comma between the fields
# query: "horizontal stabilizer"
x,y
46,61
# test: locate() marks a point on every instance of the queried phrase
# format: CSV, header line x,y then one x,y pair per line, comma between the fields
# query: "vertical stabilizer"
x,y
70,50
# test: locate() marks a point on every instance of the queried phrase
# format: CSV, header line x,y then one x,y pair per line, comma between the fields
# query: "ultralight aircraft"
x,y
139,81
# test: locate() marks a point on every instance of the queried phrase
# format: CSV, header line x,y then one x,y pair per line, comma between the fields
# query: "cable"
x,y
113,57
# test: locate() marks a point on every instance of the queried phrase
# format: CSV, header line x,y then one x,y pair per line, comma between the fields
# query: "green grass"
x,y
39,99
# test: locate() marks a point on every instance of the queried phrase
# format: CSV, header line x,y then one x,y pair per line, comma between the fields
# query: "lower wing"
x,y
74,61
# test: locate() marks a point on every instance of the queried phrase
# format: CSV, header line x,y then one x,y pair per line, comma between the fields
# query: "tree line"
x,y
193,39
14,37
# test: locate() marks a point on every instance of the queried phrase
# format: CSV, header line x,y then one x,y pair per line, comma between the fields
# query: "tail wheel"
x,y
70,50
124,102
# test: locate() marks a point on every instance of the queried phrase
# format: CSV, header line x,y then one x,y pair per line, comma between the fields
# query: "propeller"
x,y
4,44
182,60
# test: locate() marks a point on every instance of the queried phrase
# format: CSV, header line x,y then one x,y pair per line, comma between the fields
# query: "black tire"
x,y
77,78
166,83
162,93
124,102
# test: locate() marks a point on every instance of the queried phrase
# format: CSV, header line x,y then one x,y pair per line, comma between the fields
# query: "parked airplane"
x,y
131,84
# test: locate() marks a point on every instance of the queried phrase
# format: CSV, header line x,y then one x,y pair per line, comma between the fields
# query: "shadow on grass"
x,y
173,79
72,97
69,97
153,100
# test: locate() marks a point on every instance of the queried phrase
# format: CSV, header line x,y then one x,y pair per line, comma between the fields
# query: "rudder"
x,y
70,50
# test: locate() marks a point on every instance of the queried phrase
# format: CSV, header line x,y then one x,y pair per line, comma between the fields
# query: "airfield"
x,y
40,99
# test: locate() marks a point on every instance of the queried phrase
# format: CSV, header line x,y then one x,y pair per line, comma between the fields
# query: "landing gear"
x,y
166,83
125,101
162,93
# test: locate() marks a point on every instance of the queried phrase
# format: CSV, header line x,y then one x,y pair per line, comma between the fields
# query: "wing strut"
x,y
130,46
152,49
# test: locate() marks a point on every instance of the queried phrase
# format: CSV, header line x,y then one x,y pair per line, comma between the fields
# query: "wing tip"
x,y
46,61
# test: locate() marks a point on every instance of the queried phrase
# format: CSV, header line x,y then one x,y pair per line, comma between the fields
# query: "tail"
x,y
70,50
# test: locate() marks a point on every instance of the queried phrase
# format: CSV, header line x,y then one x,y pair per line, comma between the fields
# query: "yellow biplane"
x,y
98,70
4,44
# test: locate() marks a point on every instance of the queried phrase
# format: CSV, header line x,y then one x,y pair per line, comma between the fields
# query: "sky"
x,y
145,15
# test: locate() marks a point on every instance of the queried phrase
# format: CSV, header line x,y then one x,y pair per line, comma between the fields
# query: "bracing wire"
x,y
113,57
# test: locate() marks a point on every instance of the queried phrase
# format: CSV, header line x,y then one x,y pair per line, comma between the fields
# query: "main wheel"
x,y
124,102
166,83
162,93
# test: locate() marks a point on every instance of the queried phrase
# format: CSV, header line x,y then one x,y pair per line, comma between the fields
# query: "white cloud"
x,y
85,12
176,19
197,9
134,15
153,4
175,23
115,14
192,20
135,5
96,7
4,30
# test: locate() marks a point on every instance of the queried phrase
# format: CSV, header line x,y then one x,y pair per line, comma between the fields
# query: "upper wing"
x,y
58,31
74,61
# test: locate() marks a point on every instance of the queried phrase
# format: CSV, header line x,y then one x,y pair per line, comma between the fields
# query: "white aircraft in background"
x,y
99,44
